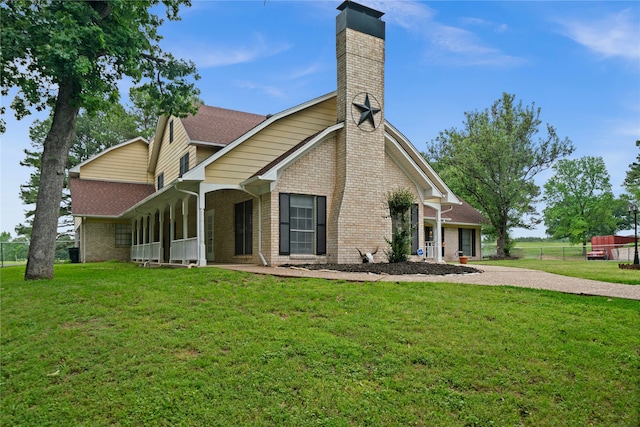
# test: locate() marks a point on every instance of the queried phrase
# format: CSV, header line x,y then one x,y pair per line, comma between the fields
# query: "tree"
x,y
70,55
580,203
493,160
632,178
94,133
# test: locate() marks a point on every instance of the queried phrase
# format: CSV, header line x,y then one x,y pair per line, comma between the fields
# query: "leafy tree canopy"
x,y
580,203
491,162
70,55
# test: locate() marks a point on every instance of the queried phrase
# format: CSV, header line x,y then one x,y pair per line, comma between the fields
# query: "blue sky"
x,y
578,61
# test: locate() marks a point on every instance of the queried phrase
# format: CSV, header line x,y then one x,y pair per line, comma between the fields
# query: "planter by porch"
x,y
464,259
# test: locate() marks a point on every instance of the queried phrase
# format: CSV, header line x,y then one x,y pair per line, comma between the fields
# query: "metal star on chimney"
x,y
367,111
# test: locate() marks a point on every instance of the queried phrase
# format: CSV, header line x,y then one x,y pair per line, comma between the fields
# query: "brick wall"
x,y
101,243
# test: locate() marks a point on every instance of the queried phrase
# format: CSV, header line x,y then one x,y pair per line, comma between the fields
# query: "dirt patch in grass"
x,y
397,268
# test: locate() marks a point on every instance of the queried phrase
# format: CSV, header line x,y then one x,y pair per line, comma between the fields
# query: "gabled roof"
x,y
459,214
105,198
211,126
75,171
197,173
218,125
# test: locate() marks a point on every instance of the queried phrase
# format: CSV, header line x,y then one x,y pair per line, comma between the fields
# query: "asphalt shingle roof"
x,y
219,125
459,214
105,198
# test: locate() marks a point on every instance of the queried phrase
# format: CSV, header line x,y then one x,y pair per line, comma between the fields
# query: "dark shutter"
x,y
248,227
460,250
321,232
284,224
415,231
239,227
473,242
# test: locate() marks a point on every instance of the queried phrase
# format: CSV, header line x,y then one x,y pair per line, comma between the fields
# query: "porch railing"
x,y
146,252
184,250
430,249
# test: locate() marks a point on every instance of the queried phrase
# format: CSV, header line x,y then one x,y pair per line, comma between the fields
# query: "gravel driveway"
x,y
492,275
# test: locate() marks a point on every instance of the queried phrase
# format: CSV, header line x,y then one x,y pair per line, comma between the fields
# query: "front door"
x,y
208,234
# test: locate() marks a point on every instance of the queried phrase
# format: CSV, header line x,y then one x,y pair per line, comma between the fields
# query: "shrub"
x,y
400,202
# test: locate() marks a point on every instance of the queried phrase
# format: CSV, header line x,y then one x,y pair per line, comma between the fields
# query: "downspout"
x,y
84,239
264,261
200,218
260,254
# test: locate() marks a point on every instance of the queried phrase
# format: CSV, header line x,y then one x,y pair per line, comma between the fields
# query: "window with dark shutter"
x,y
467,241
303,224
184,164
170,131
160,180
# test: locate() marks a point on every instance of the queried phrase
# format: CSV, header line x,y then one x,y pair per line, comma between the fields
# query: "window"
x,y
184,164
244,227
467,241
303,224
161,180
170,131
123,235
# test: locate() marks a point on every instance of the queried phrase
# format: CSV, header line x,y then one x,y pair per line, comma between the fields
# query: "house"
x,y
308,184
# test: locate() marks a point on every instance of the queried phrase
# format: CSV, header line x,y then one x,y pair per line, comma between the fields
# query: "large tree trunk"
x,y
54,161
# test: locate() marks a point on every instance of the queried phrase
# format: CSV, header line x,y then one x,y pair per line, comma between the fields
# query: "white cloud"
x,y
269,90
613,35
211,55
446,43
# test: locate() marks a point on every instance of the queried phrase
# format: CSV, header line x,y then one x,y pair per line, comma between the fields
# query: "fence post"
x,y
540,253
2,254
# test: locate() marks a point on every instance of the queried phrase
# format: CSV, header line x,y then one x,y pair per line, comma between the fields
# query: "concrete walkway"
x,y
492,276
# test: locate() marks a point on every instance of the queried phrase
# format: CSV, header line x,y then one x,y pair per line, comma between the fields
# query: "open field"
x,y
113,344
554,250
605,271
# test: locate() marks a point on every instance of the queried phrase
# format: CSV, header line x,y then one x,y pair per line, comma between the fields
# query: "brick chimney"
x,y
357,219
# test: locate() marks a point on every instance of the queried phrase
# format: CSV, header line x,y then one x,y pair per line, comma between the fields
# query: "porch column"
x,y
152,229
161,235
133,240
439,233
172,234
185,227
202,250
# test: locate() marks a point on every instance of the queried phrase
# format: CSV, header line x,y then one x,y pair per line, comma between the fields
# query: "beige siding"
x,y
127,164
170,153
203,153
254,153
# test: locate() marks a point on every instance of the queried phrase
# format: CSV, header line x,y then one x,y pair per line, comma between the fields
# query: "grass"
x,y
605,271
113,344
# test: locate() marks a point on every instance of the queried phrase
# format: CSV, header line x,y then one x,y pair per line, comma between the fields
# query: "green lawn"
x,y
606,271
114,344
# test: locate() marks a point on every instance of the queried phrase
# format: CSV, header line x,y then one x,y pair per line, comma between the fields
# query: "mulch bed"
x,y
397,268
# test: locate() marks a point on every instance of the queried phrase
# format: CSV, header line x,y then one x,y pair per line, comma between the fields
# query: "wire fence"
x,y
578,253
15,253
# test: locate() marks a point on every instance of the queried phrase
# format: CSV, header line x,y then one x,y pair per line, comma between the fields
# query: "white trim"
x,y
273,174
198,173
421,163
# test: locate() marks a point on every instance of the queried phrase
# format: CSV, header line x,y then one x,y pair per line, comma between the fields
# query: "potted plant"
x,y
463,259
